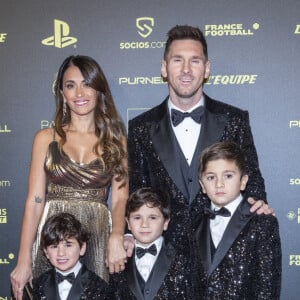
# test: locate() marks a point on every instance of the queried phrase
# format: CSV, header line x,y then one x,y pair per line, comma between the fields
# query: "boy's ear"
x,y
202,185
166,224
244,181
45,252
128,223
82,249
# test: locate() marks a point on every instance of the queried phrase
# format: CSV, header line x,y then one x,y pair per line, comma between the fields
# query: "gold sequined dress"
x,y
82,190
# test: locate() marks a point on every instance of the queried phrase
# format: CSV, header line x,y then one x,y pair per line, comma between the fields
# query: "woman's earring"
x,y
64,110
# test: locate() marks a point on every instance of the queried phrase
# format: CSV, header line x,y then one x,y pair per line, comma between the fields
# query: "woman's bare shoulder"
x,y
44,136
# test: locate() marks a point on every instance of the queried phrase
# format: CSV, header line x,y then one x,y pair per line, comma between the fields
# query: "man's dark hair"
x,y
185,32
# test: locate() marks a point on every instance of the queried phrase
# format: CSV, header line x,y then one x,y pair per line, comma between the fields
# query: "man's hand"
x,y
260,207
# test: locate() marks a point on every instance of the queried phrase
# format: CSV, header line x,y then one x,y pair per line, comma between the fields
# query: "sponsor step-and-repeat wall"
x,y
254,48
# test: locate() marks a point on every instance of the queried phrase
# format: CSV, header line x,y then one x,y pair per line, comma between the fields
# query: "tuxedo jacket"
x,y
247,261
87,285
156,159
169,278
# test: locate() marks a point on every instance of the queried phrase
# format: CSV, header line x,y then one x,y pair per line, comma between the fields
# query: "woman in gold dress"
x,y
74,166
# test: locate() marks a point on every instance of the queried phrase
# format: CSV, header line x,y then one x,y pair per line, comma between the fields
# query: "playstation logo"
x,y
144,25
61,37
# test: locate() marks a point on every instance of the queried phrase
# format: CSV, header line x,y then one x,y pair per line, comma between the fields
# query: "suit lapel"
x,y
203,237
132,278
51,289
160,269
80,282
212,126
167,147
238,221
157,275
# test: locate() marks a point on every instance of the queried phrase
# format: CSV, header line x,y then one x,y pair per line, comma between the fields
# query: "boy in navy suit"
x,y
239,251
156,270
64,241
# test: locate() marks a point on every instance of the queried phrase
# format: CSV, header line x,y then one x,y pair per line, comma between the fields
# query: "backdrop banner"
x,y
254,49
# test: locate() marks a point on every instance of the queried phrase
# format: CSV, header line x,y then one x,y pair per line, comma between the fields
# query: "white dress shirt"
x,y
145,263
65,286
219,223
187,132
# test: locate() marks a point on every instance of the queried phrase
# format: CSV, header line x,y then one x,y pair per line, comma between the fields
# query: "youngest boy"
x,y
64,241
156,270
240,251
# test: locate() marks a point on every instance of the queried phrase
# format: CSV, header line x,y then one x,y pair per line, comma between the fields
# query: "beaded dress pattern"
x,y
82,190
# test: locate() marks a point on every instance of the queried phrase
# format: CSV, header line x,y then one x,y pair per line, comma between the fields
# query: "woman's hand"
x,y
116,254
129,244
19,277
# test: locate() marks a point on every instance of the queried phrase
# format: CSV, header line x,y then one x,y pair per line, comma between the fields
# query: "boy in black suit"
x,y
64,241
240,251
156,270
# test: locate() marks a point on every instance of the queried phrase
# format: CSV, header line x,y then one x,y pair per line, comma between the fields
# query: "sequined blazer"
x,y
155,159
246,263
169,278
87,285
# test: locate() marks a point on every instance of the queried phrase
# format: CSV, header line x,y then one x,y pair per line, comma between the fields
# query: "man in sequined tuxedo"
x,y
237,253
165,155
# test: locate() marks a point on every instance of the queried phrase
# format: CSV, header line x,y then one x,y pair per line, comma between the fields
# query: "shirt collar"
x,y
158,242
172,105
232,206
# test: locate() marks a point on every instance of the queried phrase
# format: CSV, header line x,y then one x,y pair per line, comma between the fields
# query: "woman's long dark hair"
x,y
109,127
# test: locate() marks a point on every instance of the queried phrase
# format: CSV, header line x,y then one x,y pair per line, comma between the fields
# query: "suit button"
x,y
190,180
147,292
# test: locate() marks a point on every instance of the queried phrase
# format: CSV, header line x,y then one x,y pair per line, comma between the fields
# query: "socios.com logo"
x,y
60,38
144,26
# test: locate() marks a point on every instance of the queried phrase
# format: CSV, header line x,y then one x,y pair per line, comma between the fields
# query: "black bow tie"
x,y
60,277
177,116
140,252
224,212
